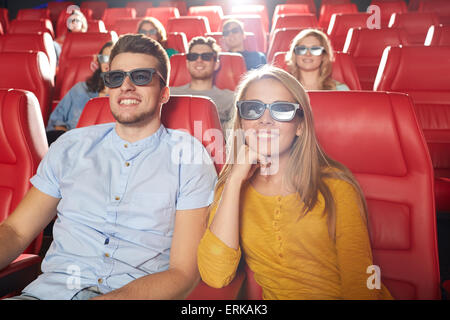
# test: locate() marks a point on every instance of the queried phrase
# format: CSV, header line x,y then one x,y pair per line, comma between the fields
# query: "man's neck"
x,y
136,132
201,84
238,49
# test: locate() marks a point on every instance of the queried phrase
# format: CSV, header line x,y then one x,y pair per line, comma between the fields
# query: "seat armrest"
x,y
230,292
19,274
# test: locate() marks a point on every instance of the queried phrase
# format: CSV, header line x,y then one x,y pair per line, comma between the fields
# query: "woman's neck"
x,y
310,80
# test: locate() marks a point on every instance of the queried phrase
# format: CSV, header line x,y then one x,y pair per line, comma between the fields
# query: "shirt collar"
x,y
129,149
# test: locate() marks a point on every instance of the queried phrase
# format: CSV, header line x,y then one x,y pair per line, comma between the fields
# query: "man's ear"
x,y
217,65
165,95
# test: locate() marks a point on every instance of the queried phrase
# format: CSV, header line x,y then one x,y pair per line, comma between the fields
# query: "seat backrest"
x,y
4,19
344,69
96,26
177,41
111,15
80,45
341,23
34,42
438,36
97,7
327,10
252,23
281,41
23,144
33,14
441,7
310,3
250,43
180,112
56,7
387,8
213,13
61,22
297,8
28,71
140,6
163,14
366,48
79,69
415,24
381,143
126,25
428,84
191,26
31,26
179,4
232,67
258,9
294,20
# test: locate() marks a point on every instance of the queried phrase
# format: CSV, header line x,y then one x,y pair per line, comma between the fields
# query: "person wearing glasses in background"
x,y
153,28
202,62
68,111
310,60
131,204
298,217
76,22
234,36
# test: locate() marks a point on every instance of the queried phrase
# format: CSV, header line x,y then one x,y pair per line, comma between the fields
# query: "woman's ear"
x,y
299,130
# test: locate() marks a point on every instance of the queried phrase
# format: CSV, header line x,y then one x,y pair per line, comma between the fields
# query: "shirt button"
x,y
100,281
279,237
107,255
117,198
125,145
127,164
280,255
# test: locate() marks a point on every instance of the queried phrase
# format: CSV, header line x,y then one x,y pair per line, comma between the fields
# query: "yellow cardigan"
x,y
295,258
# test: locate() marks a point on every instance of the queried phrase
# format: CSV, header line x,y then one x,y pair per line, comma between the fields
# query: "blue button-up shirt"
x,y
118,202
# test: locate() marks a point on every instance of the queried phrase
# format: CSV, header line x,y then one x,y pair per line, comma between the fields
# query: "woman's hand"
x,y
247,162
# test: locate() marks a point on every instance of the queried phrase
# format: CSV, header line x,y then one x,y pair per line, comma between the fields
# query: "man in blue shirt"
x,y
131,206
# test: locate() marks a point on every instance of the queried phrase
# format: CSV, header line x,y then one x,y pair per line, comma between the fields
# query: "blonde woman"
x,y
298,216
310,59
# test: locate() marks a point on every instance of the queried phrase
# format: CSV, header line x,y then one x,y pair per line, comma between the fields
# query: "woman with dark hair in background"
x,y
68,111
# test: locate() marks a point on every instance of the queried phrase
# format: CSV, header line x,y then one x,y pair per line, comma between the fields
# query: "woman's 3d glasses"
x,y
315,50
148,32
279,111
234,30
140,77
103,58
206,56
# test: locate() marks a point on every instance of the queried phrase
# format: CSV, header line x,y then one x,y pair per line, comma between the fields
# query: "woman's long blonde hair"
x,y
326,67
308,164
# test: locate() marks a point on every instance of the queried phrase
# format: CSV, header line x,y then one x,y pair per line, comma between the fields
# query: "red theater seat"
x,y
438,36
177,41
258,9
179,4
297,8
23,144
344,69
326,11
34,42
213,13
140,6
56,7
111,15
191,26
33,14
28,71
97,7
414,24
424,74
281,41
341,23
79,70
381,143
126,25
294,20
181,112
252,23
387,8
163,14
31,26
310,3
96,26
440,7
4,19
366,48
61,22
232,67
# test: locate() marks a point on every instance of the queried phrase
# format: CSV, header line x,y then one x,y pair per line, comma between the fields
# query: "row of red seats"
x,y
389,159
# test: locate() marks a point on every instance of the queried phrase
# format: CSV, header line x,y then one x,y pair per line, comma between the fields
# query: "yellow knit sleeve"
x,y
217,263
354,253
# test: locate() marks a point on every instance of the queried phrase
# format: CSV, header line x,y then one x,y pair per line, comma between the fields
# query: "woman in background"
x,y
310,61
153,28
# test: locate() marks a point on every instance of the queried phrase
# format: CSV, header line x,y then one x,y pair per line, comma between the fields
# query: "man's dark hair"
x,y
209,41
138,43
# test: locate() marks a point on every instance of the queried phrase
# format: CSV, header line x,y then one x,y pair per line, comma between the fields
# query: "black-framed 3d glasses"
x,y
140,77
234,30
279,111
314,50
206,56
